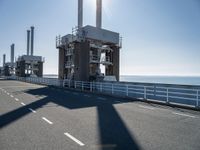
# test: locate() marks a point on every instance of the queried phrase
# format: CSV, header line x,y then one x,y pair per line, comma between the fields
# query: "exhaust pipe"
x,y
12,48
28,41
32,40
98,13
80,13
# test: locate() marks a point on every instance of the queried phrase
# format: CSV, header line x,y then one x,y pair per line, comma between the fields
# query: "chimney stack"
x,y
28,41
80,13
32,40
4,59
12,48
98,13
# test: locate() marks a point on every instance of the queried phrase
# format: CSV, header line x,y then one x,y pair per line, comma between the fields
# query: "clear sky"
x,y
160,37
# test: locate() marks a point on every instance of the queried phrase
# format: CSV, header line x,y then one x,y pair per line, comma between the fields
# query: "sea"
x,y
182,80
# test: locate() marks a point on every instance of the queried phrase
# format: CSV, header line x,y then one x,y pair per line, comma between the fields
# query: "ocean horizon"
x,y
182,80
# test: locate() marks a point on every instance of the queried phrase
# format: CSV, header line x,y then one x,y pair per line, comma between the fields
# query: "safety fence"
x,y
188,95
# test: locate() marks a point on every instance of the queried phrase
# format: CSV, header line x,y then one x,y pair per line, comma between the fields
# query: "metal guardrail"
x,y
43,81
168,93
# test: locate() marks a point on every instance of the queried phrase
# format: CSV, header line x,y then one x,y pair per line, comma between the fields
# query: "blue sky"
x,y
160,37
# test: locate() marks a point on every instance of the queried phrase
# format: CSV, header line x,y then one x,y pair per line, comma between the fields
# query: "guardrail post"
x,y
101,87
167,95
126,90
112,89
82,85
63,83
145,92
69,84
91,84
197,104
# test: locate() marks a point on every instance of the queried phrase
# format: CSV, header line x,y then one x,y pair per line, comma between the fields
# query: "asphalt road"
x,y
35,117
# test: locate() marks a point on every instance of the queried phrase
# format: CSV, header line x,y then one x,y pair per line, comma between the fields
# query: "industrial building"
x,y
89,53
29,65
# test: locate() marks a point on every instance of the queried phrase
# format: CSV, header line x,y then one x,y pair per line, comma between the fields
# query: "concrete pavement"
x,y
40,117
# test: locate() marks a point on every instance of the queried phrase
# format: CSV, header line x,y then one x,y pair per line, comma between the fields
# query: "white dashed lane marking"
x,y
11,96
74,139
146,107
87,95
48,121
101,98
185,115
23,104
33,111
17,99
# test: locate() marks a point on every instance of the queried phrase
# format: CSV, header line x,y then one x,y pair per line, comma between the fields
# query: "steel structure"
x,y
29,65
84,52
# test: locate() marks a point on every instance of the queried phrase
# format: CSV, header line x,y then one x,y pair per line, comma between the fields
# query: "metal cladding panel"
x,y
100,34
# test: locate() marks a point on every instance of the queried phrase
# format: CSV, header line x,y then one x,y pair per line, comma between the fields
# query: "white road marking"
x,y
185,115
11,96
17,99
146,107
74,139
101,98
8,93
48,121
23,104
32,110
87,95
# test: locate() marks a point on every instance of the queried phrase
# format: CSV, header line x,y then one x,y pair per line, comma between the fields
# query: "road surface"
x,y
36,117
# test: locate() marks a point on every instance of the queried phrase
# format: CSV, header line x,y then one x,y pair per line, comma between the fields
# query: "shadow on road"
x,y
114,135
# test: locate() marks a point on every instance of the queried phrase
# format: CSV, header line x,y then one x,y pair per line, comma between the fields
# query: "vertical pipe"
x,y
80,13
98,13
4,59
32,40
12,53
28,41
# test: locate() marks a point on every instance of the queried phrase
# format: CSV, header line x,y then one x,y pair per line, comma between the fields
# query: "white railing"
x,y
43,81
171,94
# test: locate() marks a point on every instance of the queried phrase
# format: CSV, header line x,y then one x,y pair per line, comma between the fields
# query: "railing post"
x,y
127,90
75,84
167,95
112,89
197,104
145,92
82,85
101,87
91,84
69,83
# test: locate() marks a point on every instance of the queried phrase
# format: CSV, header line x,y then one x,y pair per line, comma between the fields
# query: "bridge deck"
x,y
40,117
